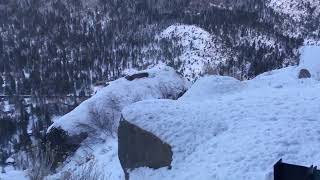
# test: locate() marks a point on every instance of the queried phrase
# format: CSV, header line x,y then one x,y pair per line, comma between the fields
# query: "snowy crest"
x,y
200,49
162,82
224,129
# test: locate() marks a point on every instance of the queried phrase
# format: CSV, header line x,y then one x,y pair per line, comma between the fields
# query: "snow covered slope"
x,y
162,81
224,129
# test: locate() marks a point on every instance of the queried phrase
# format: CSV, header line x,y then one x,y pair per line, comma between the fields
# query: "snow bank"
x,y
111,99
212,87
224,129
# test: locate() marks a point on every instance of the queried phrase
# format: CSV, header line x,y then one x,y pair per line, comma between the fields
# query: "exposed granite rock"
x,y
139,148
63,144
137,76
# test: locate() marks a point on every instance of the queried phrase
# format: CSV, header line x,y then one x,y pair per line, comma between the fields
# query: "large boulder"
x,y
304,73
137,76
140,148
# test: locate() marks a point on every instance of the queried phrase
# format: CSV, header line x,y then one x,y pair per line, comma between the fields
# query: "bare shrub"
x,y
86,172
317,77
165,92
168,92
103,120
210,70
40,160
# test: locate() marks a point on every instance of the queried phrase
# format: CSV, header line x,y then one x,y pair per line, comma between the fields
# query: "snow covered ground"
x,y
12,174
226,129
296,9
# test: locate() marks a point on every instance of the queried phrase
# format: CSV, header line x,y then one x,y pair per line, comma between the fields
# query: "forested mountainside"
x,y
60,47
54,52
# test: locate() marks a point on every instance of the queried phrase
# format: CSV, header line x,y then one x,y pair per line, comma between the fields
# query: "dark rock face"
x,y
304,73
137,76
284,171
63,144
139,148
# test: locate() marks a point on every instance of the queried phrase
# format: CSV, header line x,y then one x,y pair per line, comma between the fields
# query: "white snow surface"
x,y
161,80
12,174
224,129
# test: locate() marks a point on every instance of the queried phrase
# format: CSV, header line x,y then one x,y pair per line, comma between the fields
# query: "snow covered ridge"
x,y
205,53
162,82
296,9
200,49
224,129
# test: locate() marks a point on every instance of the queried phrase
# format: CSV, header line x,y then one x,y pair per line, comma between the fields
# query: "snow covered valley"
x,y
221,128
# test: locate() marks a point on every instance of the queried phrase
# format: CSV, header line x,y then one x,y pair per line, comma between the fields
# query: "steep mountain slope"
x,y
226,129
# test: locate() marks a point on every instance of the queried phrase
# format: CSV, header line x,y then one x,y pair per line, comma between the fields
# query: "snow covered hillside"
x,y
226,129
200,49
194,52
296,9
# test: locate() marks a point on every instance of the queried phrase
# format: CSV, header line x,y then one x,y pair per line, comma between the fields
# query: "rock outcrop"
x,y
63,144
304,73
139,148
137,76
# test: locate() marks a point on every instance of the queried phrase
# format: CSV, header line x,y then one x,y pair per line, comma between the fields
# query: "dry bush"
x,y
40,161
86,172
102,120
210,70
166,92
169,92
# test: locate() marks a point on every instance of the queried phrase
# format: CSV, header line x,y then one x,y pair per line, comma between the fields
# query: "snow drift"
x,y
162,82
